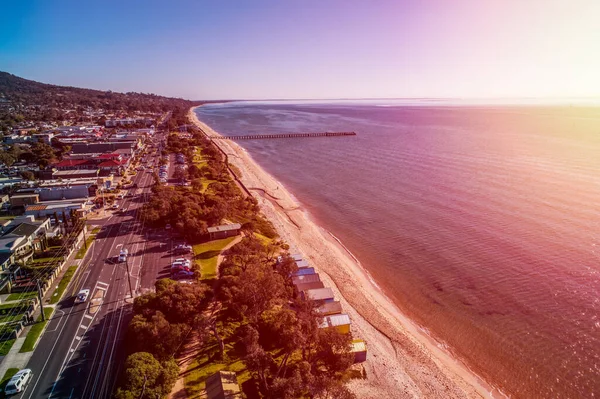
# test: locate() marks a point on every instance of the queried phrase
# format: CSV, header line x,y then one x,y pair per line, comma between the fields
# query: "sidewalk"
x,y
15,359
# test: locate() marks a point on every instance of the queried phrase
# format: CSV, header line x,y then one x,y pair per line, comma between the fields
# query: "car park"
x,y
18,382
82,296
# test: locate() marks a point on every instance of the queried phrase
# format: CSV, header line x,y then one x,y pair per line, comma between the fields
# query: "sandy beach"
x,y
403,361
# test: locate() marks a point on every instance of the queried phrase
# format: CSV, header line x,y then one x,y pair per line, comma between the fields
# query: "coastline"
x,y
403,360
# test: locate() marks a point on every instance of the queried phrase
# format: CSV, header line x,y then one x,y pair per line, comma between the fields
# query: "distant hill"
x,y
23,92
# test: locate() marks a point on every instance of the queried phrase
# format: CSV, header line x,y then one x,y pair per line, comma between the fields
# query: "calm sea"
x,y
482,223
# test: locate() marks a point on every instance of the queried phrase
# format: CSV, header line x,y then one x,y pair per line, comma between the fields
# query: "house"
x,y
319,294
34,231
340,322
223,385
224,231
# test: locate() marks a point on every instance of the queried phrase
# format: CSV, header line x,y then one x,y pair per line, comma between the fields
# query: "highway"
x,y
81,351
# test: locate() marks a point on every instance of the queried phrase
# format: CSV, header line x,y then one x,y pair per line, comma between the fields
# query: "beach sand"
x,y
402,361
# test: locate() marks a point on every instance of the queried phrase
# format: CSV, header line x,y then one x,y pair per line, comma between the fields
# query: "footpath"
x,y
17,359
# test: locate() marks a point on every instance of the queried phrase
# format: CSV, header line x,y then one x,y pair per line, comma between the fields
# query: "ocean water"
x,y
481,222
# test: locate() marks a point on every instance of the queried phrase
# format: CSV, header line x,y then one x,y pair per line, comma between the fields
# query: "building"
x,y
99,148
309,286
302,264
304,272
75,174
340,322
223,231
308,278
43,137
319,294
24,199
49,208
329,308
223,385
359,348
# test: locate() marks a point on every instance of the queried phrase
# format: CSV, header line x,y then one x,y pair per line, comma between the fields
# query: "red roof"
x,y
110,164
111,155
70,162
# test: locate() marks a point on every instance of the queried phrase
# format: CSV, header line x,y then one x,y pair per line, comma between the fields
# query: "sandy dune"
x,y
402,360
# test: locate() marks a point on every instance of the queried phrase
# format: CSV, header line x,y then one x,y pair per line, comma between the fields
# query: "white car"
x,y
18,382
82,296
115,206
123,255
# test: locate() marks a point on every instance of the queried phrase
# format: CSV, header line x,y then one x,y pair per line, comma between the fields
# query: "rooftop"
x,y
74,172
224,227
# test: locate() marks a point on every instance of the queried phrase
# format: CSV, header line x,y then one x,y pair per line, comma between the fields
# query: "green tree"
x,y
28,175
145,377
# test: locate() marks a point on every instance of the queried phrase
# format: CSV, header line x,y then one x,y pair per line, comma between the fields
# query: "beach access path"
x,y
402,361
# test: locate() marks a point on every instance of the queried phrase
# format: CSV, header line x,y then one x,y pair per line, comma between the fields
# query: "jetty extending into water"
x,y
284,136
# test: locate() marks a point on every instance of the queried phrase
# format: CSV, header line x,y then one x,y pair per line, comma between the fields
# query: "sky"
x,y
301,49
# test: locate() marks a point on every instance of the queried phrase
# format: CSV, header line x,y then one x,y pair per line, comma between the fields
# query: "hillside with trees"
x,y
23,99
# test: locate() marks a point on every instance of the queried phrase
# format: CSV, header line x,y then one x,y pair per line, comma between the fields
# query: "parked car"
x,y
182,274
18,382
82,296
114,206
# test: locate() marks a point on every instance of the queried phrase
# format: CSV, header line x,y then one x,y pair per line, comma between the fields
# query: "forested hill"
x,y
25,94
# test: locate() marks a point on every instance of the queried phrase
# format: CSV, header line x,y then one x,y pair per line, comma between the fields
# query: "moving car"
x,y
18,382
123,255
82,296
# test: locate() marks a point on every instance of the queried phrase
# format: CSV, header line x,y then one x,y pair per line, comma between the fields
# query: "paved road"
x,y
80,352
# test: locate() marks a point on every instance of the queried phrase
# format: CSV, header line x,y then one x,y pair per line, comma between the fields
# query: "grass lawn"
x,y
205,184
35,332
206,255
7,217
62,285
264,239
7,376
5,346
90,238
12,312
19,296
205,365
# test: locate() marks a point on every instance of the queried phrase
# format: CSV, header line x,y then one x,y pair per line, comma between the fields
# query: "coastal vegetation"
x,y
245,314
24,99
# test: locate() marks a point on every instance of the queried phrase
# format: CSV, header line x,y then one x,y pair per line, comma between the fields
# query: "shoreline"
x,y
403,359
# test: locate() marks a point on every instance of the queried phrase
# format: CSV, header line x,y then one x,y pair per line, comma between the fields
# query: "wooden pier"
x,y
284,136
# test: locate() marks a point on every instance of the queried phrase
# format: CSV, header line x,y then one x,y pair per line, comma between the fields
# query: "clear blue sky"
x,y
308,49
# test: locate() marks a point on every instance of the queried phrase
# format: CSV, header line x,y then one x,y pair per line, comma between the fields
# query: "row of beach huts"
x,y
309,285
224,385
